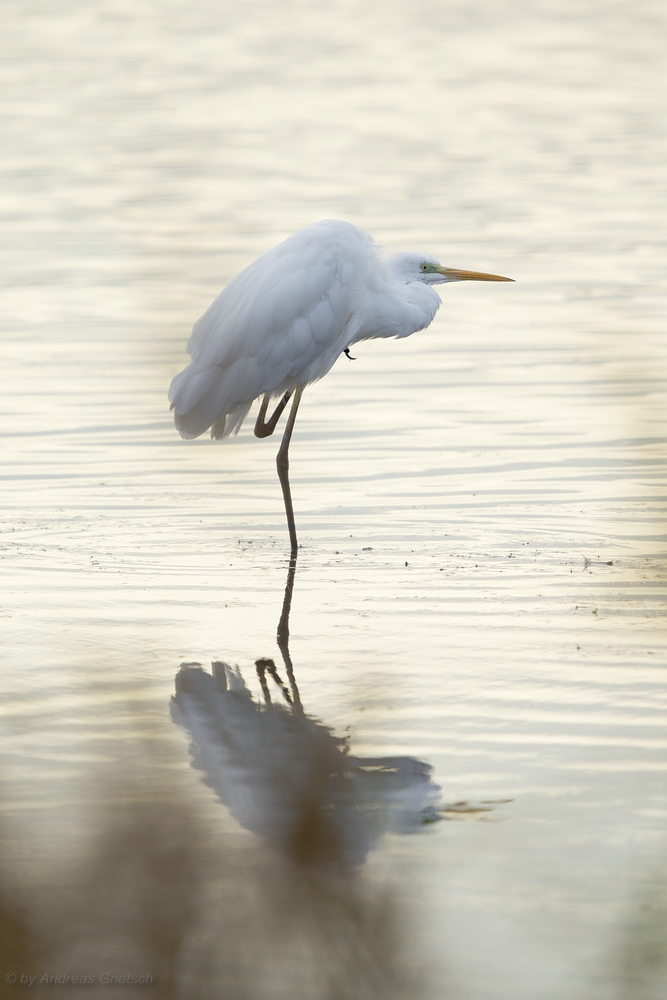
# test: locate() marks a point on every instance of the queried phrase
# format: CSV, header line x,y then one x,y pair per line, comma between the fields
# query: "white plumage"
x,y
284,320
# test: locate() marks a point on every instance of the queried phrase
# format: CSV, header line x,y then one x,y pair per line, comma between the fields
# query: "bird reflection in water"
x,y
286,776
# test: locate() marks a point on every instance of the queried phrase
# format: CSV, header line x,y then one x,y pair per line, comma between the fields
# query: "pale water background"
x,y
513,456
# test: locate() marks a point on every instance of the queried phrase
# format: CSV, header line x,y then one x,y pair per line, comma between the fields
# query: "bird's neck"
x,y
401,309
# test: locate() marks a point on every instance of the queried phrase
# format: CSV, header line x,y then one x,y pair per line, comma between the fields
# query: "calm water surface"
x,y
481,508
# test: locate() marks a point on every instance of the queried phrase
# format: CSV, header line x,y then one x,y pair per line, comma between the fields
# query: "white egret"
x,y
286,318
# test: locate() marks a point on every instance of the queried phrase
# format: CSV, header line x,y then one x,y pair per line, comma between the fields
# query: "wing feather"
x,y
321,320
281,322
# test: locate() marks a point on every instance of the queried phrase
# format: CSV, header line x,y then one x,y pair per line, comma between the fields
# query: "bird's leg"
x,y
265,428
282,464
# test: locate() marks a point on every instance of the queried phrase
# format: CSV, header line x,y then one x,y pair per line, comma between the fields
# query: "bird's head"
x,y
411,267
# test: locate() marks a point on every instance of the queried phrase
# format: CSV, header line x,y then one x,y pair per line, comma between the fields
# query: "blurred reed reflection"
x,y
163,892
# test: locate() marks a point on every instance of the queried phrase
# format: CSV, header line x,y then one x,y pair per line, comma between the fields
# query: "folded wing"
x,y
280,323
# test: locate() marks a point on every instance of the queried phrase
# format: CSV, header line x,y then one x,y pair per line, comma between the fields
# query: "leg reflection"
x,y
282,638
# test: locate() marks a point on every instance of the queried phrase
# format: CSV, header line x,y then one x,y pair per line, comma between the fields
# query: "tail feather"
x,y
190,386
192,422
230,424
210,412
202,399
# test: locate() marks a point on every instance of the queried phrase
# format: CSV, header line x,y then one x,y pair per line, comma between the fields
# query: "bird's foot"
x,y
347,354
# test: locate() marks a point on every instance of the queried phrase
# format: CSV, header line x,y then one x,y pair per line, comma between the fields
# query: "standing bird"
x,y
286,318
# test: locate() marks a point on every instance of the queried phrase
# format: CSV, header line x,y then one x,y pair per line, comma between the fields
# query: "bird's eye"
x,y
424,267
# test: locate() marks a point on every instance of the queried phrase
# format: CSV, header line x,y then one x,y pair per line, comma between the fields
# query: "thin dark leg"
x,y
265,428
282,464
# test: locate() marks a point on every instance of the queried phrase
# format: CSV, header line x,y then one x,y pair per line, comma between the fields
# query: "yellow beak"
x,y
455,274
